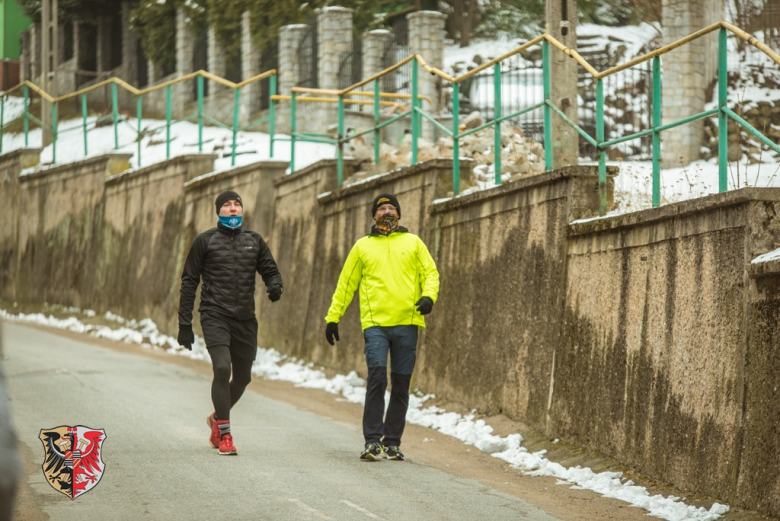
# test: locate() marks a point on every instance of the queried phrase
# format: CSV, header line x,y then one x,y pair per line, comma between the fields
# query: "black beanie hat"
x,y
381,199
225,196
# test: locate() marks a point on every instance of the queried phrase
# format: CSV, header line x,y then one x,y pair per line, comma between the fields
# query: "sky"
x,y
469,429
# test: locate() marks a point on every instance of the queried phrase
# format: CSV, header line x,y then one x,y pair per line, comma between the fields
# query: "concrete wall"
x,y
59,231
502,259
758,484
314,234
11,165
95,235
668,355
648,336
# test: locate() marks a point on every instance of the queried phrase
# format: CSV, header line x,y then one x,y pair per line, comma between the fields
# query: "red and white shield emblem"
x,y
73,458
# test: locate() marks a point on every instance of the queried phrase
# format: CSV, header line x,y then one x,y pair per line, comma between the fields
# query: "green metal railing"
x,y
414,110
116,118
417,114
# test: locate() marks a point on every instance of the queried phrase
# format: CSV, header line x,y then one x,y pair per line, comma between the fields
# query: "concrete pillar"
x,y
129,69
35,52
154,72
334,41
129,47
289,39
103,46
374,45
182,93
184,44
216,56
562,24
77,48
687,72
24,57
219,100
250,66
426,38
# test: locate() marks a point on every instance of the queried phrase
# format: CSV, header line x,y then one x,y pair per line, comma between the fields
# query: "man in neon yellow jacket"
x,y
398,284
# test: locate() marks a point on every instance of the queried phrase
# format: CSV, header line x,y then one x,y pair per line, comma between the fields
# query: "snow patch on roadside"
x,y
272,365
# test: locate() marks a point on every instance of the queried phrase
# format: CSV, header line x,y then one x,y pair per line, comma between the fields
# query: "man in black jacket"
x,y
226,258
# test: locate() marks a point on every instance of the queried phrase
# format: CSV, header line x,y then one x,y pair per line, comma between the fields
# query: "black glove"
x,y
186,338
274,292
331,332
424,305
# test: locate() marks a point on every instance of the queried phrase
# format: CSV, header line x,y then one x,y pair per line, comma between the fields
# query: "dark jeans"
x,y
401,343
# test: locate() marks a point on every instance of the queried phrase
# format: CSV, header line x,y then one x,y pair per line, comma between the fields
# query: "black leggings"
x,y
224,391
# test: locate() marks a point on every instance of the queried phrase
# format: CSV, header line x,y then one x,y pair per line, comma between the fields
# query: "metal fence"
x,y
627,108
631,83
308,66
398,81
522,85
269,60
351,64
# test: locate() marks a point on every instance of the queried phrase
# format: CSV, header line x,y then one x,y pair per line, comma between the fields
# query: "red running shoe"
x,y
211,421
226,447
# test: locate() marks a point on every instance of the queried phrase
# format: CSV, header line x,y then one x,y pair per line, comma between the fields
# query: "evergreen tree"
x,y
155,23
80,11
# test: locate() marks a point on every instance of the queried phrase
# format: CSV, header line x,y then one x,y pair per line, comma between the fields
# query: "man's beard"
x,y
387,224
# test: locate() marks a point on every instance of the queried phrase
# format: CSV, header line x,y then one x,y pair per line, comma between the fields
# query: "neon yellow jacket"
x,y
393,272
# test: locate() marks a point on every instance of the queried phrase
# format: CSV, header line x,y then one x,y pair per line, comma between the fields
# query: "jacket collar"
x,y
375,231
228,231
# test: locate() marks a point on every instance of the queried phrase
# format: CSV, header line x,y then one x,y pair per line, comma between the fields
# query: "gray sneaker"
x,y
394,452
372,452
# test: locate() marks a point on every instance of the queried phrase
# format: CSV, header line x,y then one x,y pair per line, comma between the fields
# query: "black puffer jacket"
x,y
227,261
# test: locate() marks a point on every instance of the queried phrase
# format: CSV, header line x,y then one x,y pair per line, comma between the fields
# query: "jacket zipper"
x,y
235,275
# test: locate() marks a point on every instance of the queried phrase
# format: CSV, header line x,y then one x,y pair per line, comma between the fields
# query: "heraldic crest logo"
x,y
73,458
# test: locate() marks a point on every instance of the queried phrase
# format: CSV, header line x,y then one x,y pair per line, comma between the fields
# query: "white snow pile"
x,y
634,183
766,257
272,365
251,146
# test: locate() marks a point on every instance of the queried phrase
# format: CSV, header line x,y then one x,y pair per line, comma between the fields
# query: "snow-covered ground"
x,y
628,41
633,186
272,365
250,146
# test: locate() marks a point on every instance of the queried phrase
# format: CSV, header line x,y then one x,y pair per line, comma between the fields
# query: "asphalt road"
x,y
292,464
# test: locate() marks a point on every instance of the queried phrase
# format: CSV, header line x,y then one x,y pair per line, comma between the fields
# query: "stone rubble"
x,y
521,156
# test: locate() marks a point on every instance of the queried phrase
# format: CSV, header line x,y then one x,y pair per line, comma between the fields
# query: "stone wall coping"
x,y
448,205
669,211
433,14
303,172
18,152
381,179
335,8
764,269
132,174
24,157
71,167
210,177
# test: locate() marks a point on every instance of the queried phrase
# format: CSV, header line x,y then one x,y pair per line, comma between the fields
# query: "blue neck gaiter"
x,y
230,221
